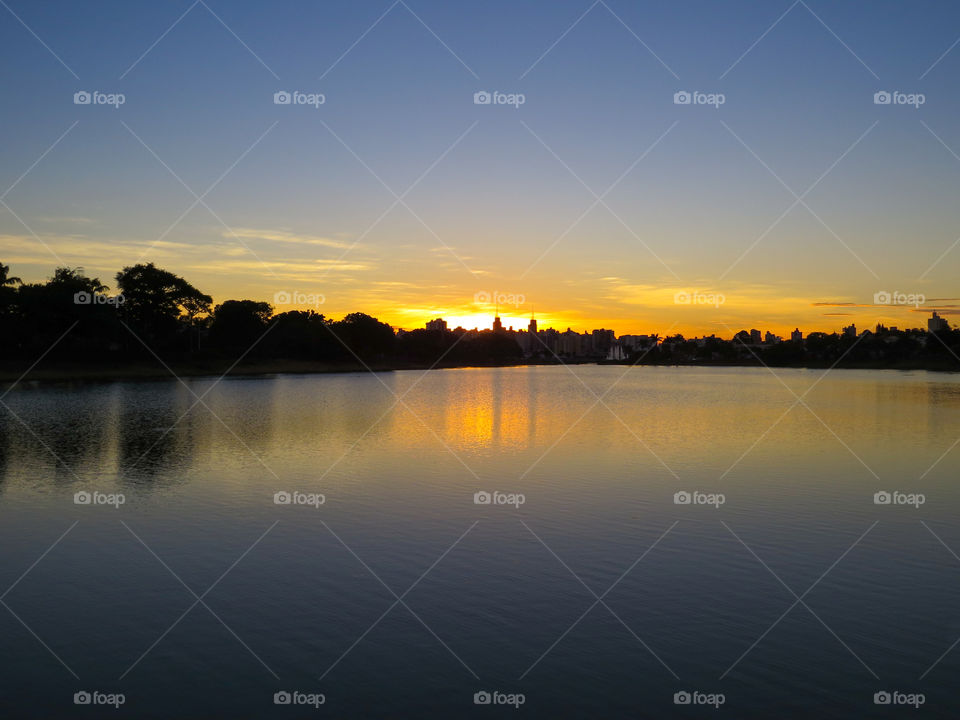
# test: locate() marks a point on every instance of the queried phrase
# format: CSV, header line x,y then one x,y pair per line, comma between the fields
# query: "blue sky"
x,y
507,203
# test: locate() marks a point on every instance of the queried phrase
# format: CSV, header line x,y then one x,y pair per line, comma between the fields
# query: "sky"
x,y
783,196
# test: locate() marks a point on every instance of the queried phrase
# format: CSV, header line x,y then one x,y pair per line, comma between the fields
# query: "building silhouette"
x,y
549,344
937,323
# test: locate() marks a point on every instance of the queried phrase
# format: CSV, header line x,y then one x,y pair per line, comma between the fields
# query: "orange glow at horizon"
x,y
653,319
663,321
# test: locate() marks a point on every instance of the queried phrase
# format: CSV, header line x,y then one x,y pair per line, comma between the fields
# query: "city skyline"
x,y
934,323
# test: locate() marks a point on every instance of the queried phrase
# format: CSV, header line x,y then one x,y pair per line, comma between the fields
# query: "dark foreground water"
x,y
783,588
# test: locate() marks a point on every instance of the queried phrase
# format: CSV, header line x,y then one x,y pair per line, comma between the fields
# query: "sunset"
x,y
401,358
797,190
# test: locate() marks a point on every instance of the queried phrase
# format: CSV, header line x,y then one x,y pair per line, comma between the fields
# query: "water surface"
x,y
492,597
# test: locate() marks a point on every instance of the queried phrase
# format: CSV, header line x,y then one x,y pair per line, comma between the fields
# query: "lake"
x,y
587,541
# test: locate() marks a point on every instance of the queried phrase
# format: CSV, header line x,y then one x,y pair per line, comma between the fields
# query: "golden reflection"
x,y
302,426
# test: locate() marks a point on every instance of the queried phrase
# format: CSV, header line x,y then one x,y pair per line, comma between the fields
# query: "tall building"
x,y
532,327
497,325
603,340
796,336
438,324
850,331
549,340
571,343
937,323
755,337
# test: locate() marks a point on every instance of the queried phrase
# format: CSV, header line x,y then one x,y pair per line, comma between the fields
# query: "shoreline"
x,y
155,371
147,371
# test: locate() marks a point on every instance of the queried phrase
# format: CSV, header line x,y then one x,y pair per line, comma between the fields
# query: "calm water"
x,y
503,598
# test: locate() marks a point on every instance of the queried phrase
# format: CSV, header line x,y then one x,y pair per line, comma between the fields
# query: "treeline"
x,y
150,311
879,348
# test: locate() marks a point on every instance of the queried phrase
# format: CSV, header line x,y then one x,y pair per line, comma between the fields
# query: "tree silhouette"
x,y
8,294
5,279
239,323
365,337
158,305
302,334
45,311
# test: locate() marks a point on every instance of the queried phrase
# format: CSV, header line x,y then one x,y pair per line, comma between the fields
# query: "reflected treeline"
x,y
156,433
78,321
54,432
100,433
139,435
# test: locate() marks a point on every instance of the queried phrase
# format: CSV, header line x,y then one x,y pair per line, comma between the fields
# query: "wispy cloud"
x,y
287,236
64,219
942,309
303,268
